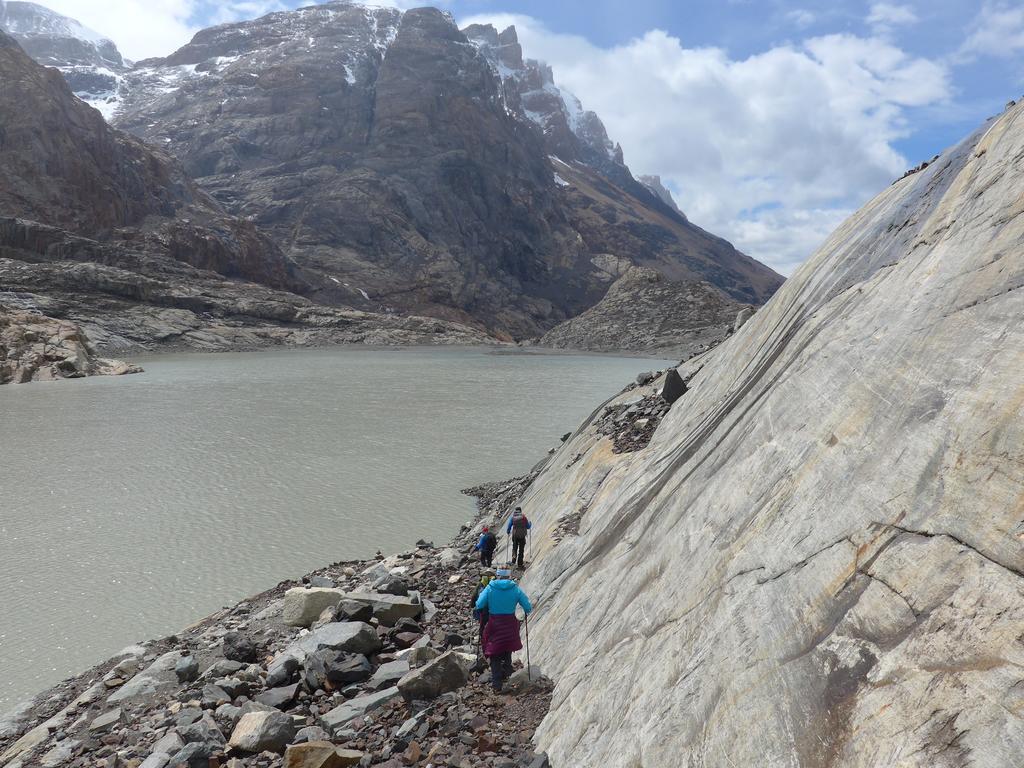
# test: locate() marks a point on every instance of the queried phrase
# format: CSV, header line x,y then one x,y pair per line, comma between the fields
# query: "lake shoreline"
x,y
50,721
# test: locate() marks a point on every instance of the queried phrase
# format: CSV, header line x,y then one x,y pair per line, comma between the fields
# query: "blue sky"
x,y
770,120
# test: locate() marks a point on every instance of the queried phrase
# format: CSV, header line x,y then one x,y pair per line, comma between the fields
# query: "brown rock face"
x,y
61,164
387,155
34,347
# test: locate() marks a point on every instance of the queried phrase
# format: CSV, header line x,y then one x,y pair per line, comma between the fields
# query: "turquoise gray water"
x,y
130,507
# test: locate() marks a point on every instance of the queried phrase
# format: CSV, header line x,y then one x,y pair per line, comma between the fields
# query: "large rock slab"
x,y
303,605
157,677
388,609
337,718
262,732
818,560
448,672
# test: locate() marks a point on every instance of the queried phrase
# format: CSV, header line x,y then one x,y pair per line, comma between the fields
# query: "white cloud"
x,y
771,151
997,31
884,16
146,28
800,17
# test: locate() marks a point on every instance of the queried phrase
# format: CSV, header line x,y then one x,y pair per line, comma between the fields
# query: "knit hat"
x,y
485,529
504,573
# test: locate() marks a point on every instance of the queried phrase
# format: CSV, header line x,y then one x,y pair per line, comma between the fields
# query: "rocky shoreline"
x,y
371,663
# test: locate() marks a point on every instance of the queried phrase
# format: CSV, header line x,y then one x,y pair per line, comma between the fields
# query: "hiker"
x,y
485,546
518,527
501,633
486,576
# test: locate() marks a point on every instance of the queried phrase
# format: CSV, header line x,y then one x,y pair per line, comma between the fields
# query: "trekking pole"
x,y
529,670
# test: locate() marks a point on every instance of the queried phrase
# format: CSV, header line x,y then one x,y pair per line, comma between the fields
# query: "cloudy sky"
x,y
770,120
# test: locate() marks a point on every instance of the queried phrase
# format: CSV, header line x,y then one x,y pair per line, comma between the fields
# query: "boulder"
x,y
280,697
394,586
349,636
107,721
333,670
262,732
448,672
311,733
320,754
420,656
339,717
240,647
388,609
303,605
281,670
157,677
673,387
203,731
321,581
186,669
214,696
388,674
351,610
160,755
194,755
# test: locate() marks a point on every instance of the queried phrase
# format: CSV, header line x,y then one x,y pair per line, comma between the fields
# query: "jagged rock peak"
x,y
654,183
529,89
91,64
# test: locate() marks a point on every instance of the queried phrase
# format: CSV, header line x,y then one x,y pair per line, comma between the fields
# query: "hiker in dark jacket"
x,y
501,634
518,527
486,576
486,546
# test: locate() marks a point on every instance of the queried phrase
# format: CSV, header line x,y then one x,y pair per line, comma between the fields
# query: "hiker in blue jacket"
x,y
518,527
501,633
486,546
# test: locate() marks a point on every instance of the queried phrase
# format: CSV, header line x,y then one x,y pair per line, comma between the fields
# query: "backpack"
x,y
489,542
519,523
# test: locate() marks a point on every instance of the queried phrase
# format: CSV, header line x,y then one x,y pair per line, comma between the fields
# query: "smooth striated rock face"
x,y
818,559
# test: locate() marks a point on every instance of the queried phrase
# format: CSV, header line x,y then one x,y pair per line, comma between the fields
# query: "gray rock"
x,y
194,755
673,387
742,316
421,655
310,733
233,686
350,636
204,731
336,667
321,581
281,670
644,378
280,698
158,677
388,674
448,672
336,720
213,696
228,714
262,732
223,668
170,744
12,722
351,610
186,669
394,586
240,647
388,609
303,605
108,720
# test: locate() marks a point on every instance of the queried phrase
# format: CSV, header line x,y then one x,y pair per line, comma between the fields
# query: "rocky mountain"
x,y
102,230
396,160
816,560
644,311
90,63
654,184
34,347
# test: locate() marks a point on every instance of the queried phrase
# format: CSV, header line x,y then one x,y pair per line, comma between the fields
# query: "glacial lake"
x,y
131,507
